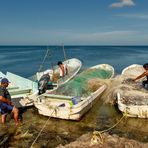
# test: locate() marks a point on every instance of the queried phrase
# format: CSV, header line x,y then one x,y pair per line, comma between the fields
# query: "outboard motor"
x,y
43,83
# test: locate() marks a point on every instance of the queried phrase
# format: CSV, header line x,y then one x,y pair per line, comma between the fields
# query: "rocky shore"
x,y
107,141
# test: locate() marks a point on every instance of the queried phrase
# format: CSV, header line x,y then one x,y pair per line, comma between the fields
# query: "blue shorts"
x,y
5,108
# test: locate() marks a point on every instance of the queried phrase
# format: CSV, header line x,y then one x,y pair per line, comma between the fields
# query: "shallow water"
x,y
101,116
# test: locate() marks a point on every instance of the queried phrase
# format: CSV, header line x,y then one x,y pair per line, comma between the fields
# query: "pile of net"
x,y
85,83
133,93
138,99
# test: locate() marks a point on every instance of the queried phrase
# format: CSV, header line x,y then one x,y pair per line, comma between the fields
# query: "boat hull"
x,y
132,71
132,110
69,112
140,111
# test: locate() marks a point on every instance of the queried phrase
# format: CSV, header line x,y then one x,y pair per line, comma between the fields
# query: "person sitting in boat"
x,y
145,83
44,84
6,105
62,69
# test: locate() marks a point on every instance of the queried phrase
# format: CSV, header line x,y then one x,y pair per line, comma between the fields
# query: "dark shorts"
x,y
145,84
5,108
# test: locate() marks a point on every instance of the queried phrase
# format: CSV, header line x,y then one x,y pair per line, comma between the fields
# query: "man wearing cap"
x,y
5,102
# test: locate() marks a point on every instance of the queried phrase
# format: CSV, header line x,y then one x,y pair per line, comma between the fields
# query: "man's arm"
x,y
140,76
5,100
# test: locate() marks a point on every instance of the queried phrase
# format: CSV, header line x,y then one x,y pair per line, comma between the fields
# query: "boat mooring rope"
x,y
97,135
43,127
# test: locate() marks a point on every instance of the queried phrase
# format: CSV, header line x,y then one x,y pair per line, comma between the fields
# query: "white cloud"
x,y
134,16
122,4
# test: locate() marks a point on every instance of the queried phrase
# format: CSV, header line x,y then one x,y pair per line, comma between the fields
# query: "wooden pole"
x,y
64,52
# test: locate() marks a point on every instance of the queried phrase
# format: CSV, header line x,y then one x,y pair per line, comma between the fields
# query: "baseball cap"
x,y
5,80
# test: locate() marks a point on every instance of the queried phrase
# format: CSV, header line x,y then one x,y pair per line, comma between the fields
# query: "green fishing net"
x,y
80,85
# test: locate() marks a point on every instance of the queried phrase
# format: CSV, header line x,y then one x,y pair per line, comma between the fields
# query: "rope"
x,y
114,124
97,135
41,66
42,128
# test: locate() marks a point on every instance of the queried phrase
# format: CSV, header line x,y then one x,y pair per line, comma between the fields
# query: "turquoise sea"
x,y
25,60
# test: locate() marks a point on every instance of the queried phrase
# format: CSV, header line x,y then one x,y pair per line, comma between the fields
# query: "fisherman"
x,y
62,69
6,105
145,83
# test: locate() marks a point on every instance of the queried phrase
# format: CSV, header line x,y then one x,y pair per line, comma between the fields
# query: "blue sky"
x,y
73,22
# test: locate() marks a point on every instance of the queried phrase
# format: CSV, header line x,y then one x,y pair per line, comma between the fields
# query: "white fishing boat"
x,y
132,98
21,89
73,65
73,107
132,71
136,108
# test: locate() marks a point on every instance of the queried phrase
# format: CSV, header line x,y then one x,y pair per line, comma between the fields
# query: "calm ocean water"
x,y
25,60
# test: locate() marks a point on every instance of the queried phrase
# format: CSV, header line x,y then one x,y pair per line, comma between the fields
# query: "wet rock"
x,y
109,141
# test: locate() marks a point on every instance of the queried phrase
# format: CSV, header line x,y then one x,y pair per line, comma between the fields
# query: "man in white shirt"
x,y
62,69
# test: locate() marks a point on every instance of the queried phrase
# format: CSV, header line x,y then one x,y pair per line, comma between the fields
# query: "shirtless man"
x,y
145,66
